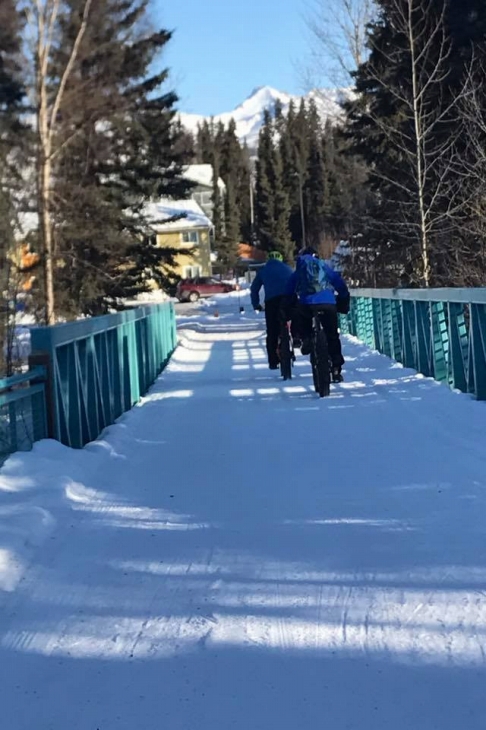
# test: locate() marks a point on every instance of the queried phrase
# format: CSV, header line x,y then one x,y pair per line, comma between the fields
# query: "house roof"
x,y
251,253
165,209
202,175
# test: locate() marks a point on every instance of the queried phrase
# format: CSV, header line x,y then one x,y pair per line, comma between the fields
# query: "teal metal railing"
x,y
438,332
99,368
22,411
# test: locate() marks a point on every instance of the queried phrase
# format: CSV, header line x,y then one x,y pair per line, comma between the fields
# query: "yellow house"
x,y
181,224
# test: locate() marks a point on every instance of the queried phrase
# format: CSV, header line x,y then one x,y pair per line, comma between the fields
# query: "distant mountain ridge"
x,y
249,115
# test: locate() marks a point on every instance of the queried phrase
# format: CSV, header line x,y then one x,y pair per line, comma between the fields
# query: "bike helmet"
x,y
276,255
308,251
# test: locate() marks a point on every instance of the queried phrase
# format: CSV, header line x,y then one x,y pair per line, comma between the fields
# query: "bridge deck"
x,y
236,553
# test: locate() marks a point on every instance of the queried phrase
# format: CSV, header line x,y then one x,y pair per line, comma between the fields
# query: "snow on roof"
x,y
202,175
27,222
165,209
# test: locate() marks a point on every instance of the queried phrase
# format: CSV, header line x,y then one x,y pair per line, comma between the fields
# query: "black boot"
x,y
337,375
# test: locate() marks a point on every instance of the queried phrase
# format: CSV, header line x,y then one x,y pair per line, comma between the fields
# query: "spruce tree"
x,y
13,149
243,194
220,143
122,148
228,251
218,202
13,132
204,144
272,200
315,190
288,147
408,126
298,130
265,199
281,239
230,165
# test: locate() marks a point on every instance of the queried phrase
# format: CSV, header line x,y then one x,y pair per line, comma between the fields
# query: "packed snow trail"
x,y
238,554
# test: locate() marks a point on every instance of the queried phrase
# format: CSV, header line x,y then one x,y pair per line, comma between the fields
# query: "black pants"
x,y
273,319
329,317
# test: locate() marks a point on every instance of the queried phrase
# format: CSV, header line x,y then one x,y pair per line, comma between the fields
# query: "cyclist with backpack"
x,y
274,278
315,284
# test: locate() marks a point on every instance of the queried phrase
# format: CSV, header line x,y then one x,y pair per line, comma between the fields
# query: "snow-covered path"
x,y
236,554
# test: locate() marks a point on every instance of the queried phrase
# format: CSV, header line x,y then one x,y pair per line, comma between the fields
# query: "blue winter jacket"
x,y
274,277
325,296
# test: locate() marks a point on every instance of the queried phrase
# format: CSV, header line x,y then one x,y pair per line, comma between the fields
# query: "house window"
x,y
190,237
192,272
203,198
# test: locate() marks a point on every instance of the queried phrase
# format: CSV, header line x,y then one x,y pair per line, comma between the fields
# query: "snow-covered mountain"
x,y
249,115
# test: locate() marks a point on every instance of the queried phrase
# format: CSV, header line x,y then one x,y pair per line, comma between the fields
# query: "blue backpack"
x,y
311,276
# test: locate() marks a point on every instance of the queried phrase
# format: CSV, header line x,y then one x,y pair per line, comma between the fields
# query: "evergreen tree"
x,y
243,195
235,171
204,144
231,166
228,252
265,199
13,141
281,239
272,200
121,148
230,151
315,190
221,144
289,146
13,133
12,91
218,202
301,139
408,127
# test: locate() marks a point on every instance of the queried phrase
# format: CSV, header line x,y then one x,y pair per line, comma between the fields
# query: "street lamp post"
x,y
252,208
302,213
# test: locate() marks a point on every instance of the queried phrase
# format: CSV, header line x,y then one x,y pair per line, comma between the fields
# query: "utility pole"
x,y
252,208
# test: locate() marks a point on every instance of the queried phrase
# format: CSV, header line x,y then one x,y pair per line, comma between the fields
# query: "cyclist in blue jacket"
x,y
315,284
274,277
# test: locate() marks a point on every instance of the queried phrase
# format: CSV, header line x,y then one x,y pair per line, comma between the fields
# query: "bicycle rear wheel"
x,y
315,374
322,373
285,354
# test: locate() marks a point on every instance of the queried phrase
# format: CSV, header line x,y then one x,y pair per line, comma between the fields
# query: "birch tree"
x,y
43,18
406,122
338,30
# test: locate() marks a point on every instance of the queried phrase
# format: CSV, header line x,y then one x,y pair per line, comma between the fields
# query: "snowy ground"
x,y
237,554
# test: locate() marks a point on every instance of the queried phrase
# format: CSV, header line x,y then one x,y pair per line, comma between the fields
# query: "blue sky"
x,y
223,49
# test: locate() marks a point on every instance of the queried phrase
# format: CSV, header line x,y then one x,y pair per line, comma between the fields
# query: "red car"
x,y
190,290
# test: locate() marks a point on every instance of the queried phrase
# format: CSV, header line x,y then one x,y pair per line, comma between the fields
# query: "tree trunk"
x,y
45,220
419,141
44,17
44,171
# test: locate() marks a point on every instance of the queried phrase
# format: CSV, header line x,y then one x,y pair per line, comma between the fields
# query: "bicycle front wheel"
x,y
285,353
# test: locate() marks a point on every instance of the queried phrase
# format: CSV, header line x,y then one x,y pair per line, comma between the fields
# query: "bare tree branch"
x,y
429,191
338,30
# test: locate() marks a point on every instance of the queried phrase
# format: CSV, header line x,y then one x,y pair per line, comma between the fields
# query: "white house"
x,y
202,194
